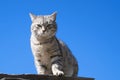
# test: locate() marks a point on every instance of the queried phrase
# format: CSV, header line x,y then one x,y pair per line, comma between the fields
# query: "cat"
x,y
51,55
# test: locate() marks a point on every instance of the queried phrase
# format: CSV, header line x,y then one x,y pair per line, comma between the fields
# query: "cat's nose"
x,y
43,29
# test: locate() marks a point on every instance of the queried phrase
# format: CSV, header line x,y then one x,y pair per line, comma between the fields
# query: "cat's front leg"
x,y
57,67
56,71
41,69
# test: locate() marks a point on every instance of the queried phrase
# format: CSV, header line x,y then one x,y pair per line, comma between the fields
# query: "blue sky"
x,y
91,28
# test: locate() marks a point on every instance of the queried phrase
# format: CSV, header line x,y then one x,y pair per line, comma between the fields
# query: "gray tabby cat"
x,y
51,55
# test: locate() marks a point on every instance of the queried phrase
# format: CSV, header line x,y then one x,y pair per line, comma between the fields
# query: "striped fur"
x,y
51,55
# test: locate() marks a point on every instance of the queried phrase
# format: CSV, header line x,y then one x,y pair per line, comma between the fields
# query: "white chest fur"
x,y
41,51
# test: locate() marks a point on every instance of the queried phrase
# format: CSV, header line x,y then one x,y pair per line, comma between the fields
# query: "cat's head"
x,y
43,26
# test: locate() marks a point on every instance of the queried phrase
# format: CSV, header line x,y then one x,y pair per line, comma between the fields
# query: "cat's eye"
x,y
49,26
39,25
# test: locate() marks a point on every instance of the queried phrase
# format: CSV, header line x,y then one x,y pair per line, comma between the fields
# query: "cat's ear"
x,y
53,16
32,16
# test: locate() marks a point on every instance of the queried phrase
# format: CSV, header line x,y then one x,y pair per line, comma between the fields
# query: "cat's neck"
x,y
47,41
43,40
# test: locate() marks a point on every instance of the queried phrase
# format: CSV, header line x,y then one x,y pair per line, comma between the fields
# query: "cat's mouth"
x,y
44,32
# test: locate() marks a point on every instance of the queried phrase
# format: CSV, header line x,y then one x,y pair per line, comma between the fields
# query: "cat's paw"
x,y
59,73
